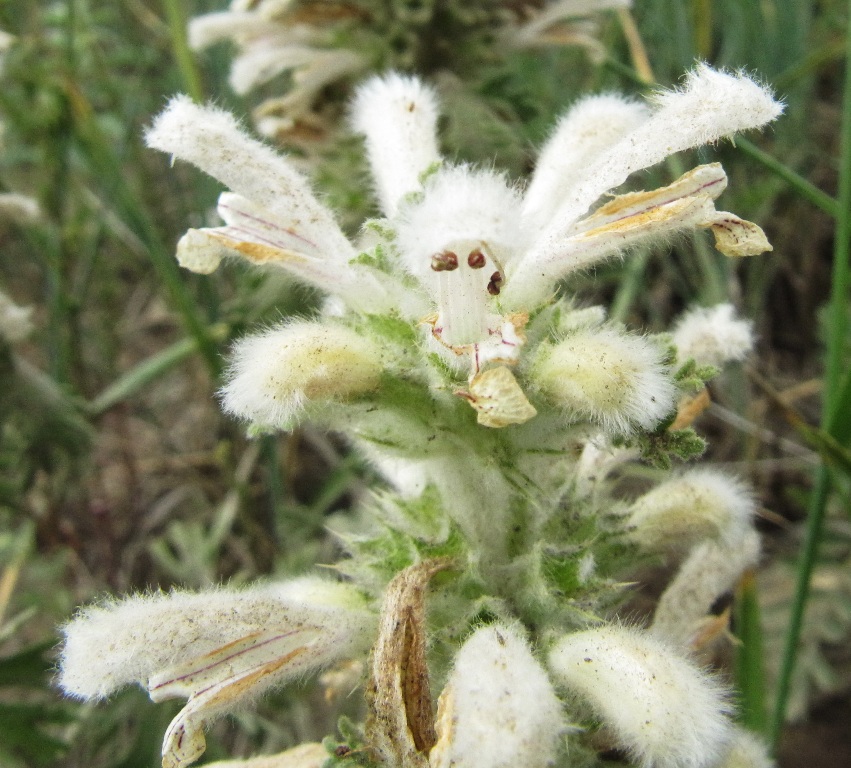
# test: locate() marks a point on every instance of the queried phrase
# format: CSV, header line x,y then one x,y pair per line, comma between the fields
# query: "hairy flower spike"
x,y
655,703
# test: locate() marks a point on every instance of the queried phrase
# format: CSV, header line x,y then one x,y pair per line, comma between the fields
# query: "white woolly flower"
x,y
274,375
613,379
654,702
699,504
217,649
465,253
271,41
710,570
713,336
498,709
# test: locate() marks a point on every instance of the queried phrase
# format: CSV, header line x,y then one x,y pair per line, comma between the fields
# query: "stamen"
x,y
476,259
444,262
495,284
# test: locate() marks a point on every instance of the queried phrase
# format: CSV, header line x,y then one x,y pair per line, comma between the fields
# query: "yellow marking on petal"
x,y
184,741
263,254
645,219
709,180
499,399
736,237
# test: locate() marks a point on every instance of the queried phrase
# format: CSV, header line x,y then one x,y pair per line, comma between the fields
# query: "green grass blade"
x,y
750,676
836,332
799,184
176,15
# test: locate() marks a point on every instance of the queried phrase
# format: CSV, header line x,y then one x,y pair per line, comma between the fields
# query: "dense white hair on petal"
x,y
713,335
398,116
699,504
214,141
273,375
711,569
710,106
660,707
587,129
499,709
121,642
614,379
459,205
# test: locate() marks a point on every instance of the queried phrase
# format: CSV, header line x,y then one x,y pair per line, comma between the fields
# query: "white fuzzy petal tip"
x,y
398,115
719,104
616,380
713,336
665,711
499,709
274,375
700,504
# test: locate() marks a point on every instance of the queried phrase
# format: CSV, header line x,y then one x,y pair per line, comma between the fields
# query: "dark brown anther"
x,y
476,259
444,262
495,284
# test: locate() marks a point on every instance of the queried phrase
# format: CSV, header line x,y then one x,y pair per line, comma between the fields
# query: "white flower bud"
x,y
747,750
275,374
656,704
616,380
699,504
710,570
398,116
498,709
713,336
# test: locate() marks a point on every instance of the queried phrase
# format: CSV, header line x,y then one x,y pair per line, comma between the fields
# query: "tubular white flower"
x,y
398,116
583,133
218,649
710,570
616,380
713,336
498,709
456,240
274,217
665,711
711,105
274,375
699,504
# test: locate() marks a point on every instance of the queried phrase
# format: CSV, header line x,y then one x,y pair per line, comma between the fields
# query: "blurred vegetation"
x,y
118,471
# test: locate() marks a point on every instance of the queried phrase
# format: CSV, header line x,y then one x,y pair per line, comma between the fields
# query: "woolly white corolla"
x,y
469,255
